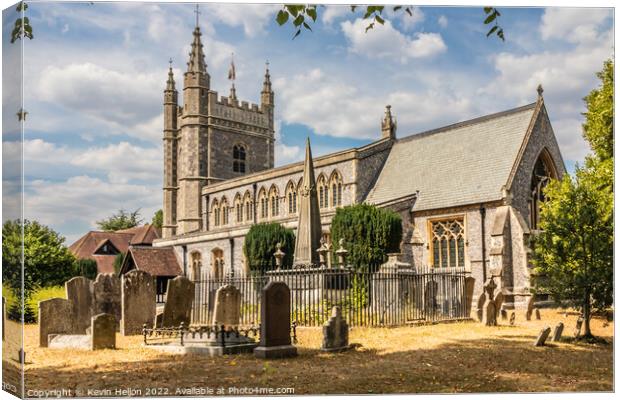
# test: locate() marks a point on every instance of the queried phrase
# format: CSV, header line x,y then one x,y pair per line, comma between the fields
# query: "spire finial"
x,y
540,90
170,62
197,11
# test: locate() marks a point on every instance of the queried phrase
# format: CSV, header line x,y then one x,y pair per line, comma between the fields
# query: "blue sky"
x,y
94,76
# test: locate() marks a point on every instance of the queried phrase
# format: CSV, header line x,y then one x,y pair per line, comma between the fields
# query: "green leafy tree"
x,y
573,254
120,220
369,234
260,245
158,219
86,267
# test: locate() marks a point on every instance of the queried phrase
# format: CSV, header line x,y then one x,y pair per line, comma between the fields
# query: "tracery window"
x,y
215,212
238,209
448,243
264,206
239,159
542,174
247,199
274,200
291,197
323,192
336,185
224,207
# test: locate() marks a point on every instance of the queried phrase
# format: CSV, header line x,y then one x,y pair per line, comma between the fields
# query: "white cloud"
x,y
386,42
577,25
333,12
252,17
65,28
410,21
330,107
442,21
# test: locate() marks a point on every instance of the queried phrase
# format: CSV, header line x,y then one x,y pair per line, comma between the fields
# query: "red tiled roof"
x,y
157,261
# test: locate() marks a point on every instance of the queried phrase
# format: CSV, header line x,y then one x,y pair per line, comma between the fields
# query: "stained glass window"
x,y
448,243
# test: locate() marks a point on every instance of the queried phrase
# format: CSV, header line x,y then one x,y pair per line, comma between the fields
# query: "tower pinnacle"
x,y
388,125
196,56
170,81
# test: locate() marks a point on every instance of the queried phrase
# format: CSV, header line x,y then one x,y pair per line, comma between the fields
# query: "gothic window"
x,y
215,213
542,174
217,264
264,206
274,201
224,207
238,209
196,265
323,192
336,185
448,243
291,198
239,159
247,200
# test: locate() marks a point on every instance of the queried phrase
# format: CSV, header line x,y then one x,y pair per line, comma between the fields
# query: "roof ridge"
x,y
468,122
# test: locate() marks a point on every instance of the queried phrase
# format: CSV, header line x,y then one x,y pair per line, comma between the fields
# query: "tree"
x,y
260,244
86,267
120,220
158,219
302,15
369,234
47,262
573,254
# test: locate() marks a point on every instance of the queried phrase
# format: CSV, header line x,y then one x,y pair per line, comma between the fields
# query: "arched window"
x,y
336,185
239,159
323,191
274,201
217,264
224,208
291,198
249,210
543,172
238,209
215,213
262,201
448,243
196,261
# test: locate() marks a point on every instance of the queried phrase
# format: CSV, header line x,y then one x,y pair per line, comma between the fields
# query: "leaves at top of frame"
x,y
492,15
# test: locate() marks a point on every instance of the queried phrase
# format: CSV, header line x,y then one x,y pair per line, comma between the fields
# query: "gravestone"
x,y
578,326
137,302
530,308
103,332
107,296
275,327
62,341
55,316
469,294
513,316
504,314
489,312
557,332
179,301
79,292
480,306
335,332
537,314
542,336
227,306
499,301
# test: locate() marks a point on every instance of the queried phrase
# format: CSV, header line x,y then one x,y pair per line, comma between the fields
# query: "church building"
x,y
469,193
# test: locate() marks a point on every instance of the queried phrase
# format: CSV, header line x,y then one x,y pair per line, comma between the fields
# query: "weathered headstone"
x,y
79,292
530,308
179,301
499,301
275,327
470,283
103,332
578,326
513,316
335,332
137,301
557,332
55,316
542,336
107,296
537,314
62,341
489,313
227,306
480,306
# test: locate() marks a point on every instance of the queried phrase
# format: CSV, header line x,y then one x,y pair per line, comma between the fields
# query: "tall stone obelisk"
x,y
309,226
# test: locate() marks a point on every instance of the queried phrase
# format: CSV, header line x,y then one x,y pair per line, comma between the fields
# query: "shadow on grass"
x,y
484,365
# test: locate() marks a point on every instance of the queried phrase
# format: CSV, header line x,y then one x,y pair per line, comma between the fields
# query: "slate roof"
x,y
87,245
464,163
157,261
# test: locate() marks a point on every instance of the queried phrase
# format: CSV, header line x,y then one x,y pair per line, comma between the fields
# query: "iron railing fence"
x,y
383,298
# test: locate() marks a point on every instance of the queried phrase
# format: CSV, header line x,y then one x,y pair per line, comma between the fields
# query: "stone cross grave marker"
x,y
335,332
179,301
275,327
227,306
542,336
103,332
79,292
489,313
513,316
55,316
557,332
138,302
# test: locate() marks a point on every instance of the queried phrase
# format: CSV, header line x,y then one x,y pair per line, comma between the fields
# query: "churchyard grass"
x,y
456,357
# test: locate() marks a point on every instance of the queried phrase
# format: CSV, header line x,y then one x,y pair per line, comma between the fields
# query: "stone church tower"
x,y
209,139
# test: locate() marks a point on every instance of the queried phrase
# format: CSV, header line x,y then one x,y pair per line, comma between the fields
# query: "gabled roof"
x,y
464,163
157,261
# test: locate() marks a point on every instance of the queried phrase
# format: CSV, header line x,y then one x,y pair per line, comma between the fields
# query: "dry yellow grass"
x,y
459,357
